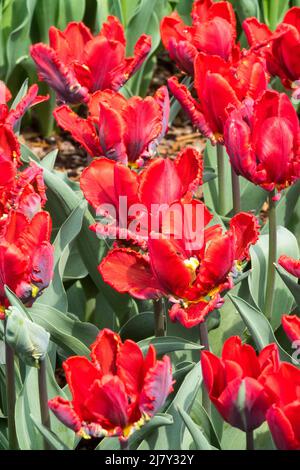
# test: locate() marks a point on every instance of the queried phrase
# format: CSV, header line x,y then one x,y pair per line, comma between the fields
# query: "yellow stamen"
x,y
34,291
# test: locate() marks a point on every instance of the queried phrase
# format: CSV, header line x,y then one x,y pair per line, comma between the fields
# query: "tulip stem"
x,y
221,179
159,318
236,192
43,394
11,395
124,444
204,341
270,288
249,440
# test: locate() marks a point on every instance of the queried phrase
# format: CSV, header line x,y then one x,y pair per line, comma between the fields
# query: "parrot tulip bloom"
x,y
262,141
71,66
23,191
281,48
213,32
283,417
291,326
163,182
193,279
221,88
291,265
26,256
123,130
236,382
10,154
116,392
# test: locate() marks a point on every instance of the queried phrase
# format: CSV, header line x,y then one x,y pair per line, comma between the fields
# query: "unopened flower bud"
x,y
29,340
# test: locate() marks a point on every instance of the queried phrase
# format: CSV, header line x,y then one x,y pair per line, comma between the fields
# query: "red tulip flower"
x,y
192,279
213,32
281,48
23,191
291,326
116,392
262,141
284,415
10,154
291,265
76,63
26,256
105,183
221,88
125,130
236,382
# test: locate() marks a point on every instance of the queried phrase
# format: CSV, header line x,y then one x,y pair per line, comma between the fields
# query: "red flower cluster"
x,y
77,64
168,257
281,48
248,389
260,128
116,392
25,250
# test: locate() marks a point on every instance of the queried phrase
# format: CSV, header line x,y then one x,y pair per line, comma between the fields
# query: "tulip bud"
x,y
29,340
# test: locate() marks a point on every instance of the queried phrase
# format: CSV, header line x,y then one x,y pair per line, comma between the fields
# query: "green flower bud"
x,y
29,340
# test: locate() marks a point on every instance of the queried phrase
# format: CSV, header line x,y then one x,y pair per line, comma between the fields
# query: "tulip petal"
x,y
191,107
168,266
217,262
111,134
102,71
107,402
130,365
215,37
129,272
80,375
82,130
9,145
31,99
157,387
244,403
141,50
114,30
143,125
160,183
291,265
104,181
104,351
242,354
256,33
57,75
291,326
195,313
245,227
65,413
281,429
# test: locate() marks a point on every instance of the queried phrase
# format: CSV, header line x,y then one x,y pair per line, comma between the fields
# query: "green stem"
x,y
236,192
159,318
204,341
43,394
221,179
10,395
124,445
249,440
270,288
